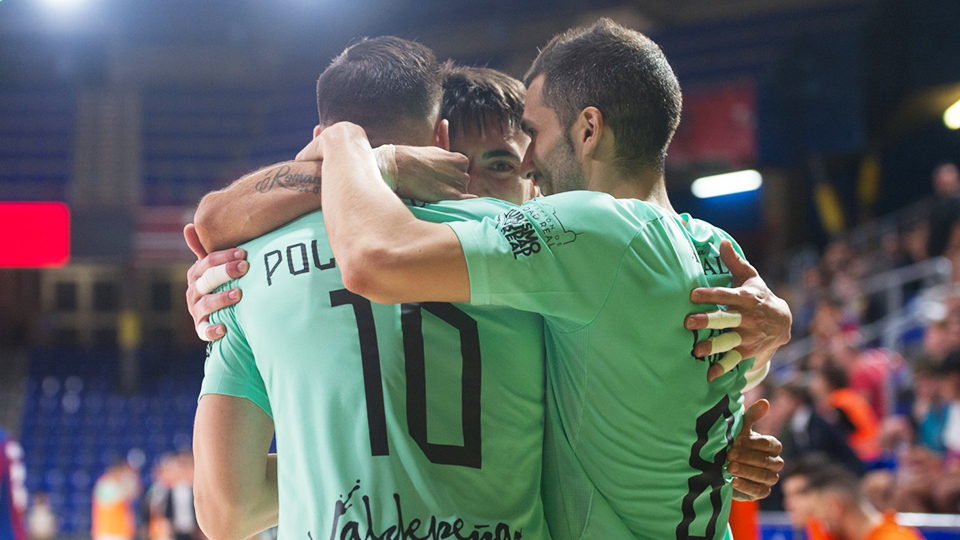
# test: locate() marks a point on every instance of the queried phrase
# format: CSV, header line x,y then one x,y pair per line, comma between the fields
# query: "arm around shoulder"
x,y
258,203
383,251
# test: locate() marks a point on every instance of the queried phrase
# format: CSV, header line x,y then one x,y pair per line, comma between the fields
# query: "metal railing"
x,y
889,329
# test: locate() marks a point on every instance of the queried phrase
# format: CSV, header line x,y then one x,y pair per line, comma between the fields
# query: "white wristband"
x,y
387,162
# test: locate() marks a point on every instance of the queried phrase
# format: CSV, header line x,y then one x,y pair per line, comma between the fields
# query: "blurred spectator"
x,y
929,411
805,432
181,514
946,207
154,523
807,300
847,410
113,498
41,520
168,504
13,494
828,499
796,495
951,391
867,371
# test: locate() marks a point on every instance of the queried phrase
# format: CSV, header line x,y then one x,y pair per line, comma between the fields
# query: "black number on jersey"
x,y
711,472
467,455
370,359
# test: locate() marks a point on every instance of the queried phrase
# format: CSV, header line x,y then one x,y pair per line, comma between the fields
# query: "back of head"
x,y
388,85
798,391
835,376
834,479
475,97
622,73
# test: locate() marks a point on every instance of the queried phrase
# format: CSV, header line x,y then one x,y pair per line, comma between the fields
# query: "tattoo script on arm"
x,y
281,177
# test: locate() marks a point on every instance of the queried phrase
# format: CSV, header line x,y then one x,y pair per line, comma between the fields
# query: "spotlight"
x,y
725,184
951,117
63,4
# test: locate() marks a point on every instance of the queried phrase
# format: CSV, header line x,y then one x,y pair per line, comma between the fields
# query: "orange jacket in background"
x,y
889,529
865,438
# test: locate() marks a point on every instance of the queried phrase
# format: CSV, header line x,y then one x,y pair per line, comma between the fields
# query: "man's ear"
x,y
589,133
441,134
316,131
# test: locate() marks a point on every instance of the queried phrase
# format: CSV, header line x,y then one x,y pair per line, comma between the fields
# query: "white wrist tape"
x,y
387,162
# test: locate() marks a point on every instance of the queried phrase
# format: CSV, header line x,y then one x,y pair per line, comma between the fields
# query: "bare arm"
x,y
383,251
276,195
258,203
235,486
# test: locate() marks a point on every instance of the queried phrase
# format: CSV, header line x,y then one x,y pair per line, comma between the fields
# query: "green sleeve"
x,y
556,255
230,368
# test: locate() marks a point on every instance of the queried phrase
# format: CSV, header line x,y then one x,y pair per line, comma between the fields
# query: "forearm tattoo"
x,y
281,177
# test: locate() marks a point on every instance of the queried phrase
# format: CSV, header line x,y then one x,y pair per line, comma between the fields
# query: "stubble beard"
x,y
563,171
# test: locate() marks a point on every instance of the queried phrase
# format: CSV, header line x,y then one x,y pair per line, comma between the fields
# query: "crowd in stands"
x,y
890,418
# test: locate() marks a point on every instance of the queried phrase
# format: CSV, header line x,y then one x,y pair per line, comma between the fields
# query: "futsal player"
x,y
488,98
392,421
636,439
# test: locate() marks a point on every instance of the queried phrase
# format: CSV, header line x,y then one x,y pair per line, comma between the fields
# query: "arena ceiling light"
x,y
726,184
951,117
64,4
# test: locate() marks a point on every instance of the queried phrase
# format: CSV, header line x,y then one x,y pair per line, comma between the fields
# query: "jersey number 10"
x,y
466,455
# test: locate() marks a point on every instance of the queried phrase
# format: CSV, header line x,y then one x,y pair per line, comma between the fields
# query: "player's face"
x,y
551,154
496,156
796,500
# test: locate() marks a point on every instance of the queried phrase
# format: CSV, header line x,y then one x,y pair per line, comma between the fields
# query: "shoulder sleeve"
x,y
461,210
556,255
230,369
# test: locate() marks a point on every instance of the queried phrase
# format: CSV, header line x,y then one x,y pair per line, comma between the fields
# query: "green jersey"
x,y
420,421
636,439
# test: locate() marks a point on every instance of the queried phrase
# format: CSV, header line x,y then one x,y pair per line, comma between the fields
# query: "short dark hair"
x,y
476,96
798,390
835,375
622,73
830,476
805,465
379,81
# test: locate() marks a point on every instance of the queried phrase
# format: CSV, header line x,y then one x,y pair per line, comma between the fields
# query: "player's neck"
x,y
647,186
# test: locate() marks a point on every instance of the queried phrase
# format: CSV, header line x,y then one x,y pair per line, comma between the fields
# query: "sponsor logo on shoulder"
x,y
532,224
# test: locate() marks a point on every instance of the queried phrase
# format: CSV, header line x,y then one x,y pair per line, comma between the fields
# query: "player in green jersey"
x,y
492,160
413,421
636,437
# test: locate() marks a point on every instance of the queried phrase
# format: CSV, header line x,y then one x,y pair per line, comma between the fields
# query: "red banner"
x,y
34,234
